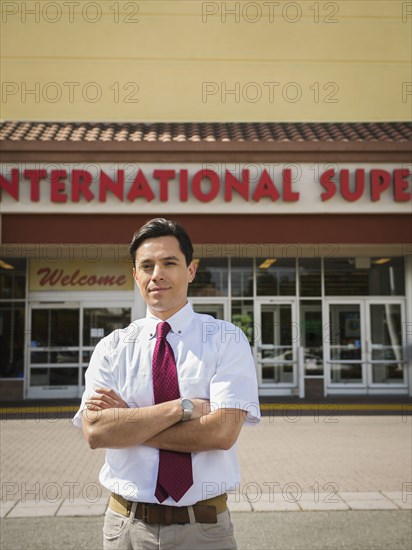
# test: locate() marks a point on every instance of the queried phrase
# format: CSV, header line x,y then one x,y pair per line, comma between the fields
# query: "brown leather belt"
x,y
205,511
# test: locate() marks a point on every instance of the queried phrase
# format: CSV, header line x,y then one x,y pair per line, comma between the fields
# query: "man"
x,y
167,398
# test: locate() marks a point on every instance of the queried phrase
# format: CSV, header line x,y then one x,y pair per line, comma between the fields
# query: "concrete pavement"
x,y
288,463
309,481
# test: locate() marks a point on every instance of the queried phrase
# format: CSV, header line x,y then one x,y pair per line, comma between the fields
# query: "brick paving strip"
x,y
289,463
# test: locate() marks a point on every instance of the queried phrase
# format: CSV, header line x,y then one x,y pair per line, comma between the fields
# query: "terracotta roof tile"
x,y
206,132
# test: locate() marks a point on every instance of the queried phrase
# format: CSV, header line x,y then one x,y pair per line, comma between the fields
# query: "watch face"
x,y
187,404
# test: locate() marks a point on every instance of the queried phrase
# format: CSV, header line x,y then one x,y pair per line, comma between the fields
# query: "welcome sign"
x,y
79,275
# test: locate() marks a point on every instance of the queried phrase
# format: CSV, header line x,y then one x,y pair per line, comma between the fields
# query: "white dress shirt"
x,y
213,361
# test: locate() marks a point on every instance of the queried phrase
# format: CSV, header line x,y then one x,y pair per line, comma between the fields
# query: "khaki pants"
x,y
122,533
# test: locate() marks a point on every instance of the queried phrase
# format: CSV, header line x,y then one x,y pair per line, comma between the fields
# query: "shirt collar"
x,y
179,322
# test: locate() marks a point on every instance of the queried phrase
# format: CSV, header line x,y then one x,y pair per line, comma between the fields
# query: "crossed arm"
x,y
109,423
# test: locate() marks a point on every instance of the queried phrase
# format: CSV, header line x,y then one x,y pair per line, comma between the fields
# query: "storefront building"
x,y
302,233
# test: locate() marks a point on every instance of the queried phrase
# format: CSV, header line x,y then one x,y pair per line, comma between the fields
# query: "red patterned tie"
x,y
175,469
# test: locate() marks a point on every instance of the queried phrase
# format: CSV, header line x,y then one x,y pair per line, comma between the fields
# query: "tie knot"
x,y
162,329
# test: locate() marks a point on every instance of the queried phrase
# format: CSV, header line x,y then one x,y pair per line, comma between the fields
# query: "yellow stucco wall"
x,y
206,61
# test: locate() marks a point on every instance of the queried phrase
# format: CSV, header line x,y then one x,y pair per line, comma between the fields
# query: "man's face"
x,y
162,275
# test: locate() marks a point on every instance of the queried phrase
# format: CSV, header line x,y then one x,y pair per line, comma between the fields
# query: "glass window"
x,y
387,277
386,332
345,348
55,328
11,340
214,310
276,325
276,277
345,373
312,336
54,377
211,278
38,357
310,277
343,278
276,352
388,373
242,317
345,332
12,279
242,277
364,276
99,322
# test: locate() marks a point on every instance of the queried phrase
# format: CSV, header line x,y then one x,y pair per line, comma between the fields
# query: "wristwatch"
x,y
187,407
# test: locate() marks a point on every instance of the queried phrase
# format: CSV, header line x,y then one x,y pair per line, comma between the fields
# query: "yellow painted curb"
x,y
40,409
337,406
405,407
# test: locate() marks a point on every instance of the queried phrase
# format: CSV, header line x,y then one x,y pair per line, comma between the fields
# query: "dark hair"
x,y
159,227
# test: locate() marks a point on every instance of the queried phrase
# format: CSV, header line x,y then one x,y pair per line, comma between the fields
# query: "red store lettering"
x,y
53,277
380,181
205,186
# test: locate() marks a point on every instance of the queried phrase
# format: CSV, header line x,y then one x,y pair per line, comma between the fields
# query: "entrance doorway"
x,y
364,348
62,337
276,346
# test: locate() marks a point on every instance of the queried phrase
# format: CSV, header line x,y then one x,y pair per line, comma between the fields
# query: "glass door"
x,y
345,350
97,323
54,355
62,337
364,347
276,340
386,358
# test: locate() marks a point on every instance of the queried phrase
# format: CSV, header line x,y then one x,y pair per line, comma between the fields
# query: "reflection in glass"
x,y
312,336
279,279
275,353
214,310
345,353
99,322
87,354
242,316
211,278
54,357
276,324
54,377
345,340
55,332
346,373
364,277
310,277
345,325
387,373
241,277
277,374
11,340
55,328
386,332
13,281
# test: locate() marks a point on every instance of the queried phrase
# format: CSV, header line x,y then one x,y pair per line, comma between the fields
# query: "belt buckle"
x,y
129,507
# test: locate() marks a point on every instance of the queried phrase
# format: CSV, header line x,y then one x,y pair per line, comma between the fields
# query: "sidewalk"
x,y
292,462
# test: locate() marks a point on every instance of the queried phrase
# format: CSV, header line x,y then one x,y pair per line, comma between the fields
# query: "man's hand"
x,y
105,399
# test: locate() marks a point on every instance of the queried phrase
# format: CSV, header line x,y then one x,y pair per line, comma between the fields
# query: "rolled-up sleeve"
x,y
234,384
